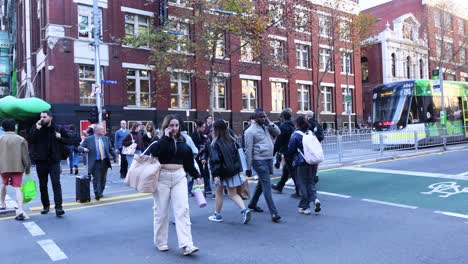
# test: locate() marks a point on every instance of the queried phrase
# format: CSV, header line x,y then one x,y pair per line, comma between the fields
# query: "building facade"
x,y
395,54
7,47
56,63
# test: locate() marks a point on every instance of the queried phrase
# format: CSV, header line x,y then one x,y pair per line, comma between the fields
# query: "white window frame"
x,y
301,19
246,96
92,96
462,55
184,33
278,89
327,90
303,92
278,50
180,3
276,12
87,11
346,63
325,25
461,26
138,78
217,82
303,56
324,57
176,78
136,23
437,18
247,54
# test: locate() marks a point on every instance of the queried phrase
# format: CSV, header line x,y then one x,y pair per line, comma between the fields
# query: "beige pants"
x,y
172,188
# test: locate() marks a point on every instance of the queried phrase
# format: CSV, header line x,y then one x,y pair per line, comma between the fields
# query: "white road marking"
x,y
335,194
34,229
463,174
413,173
452,214
52,249
391,204
10,203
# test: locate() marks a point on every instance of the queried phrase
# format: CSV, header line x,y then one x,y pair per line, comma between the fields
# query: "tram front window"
x,y
390,111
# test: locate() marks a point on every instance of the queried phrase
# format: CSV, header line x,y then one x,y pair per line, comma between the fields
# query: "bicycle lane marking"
x,y
429,191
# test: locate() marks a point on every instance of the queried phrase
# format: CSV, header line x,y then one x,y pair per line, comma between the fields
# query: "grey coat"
x,y
90,144
259,142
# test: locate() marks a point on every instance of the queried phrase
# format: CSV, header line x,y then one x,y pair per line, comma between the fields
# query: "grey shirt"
x,y
259,142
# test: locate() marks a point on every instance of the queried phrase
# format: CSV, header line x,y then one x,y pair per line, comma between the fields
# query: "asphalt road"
x,y
373,213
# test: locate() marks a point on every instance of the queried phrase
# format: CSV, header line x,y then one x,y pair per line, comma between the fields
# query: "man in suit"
x,y
99,150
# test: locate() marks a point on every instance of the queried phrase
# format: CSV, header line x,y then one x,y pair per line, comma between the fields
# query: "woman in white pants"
x,y
176,159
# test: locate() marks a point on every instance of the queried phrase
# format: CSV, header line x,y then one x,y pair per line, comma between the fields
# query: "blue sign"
x,y
108,82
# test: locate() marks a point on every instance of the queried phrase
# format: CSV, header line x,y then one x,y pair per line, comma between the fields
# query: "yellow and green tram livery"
x,y
409,111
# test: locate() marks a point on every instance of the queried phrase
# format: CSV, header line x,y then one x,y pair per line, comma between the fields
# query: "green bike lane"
x,y
446,193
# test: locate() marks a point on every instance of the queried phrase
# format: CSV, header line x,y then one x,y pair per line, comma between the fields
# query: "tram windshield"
x,y
390,109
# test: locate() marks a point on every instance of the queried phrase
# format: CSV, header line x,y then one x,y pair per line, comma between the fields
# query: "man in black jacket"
x,y
314,125
48,142
281,145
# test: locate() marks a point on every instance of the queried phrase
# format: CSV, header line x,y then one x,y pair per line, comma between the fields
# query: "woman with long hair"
x,y
176,159
134,137
149,134
305,173
225,168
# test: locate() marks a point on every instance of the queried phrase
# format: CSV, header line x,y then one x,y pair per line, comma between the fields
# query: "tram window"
x,y
413,117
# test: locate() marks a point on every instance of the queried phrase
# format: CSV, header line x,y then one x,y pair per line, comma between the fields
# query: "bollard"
x,y
381,144
416,143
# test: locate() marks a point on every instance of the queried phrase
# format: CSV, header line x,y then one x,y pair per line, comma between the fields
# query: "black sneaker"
x,y
45,210
257,209
276,188
275,218
317,206
59,211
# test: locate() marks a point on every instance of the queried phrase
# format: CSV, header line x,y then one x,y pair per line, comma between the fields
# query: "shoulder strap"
x,y
148,147
131,135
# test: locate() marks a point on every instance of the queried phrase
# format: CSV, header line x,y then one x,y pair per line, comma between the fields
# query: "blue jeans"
x,y
264,169
73,156
305,179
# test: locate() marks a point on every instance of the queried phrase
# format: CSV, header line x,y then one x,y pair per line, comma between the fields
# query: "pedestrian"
x,y
47,140
208,125
314,125
281,144
99,150
14,160
305,173
134,137
259,156
200,140
73,147
119,137
226,166
148,134
176,160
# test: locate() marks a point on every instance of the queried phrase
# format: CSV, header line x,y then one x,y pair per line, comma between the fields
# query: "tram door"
x,y
465,114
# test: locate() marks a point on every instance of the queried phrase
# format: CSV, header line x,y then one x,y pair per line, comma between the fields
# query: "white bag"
x,y
242,158
313,152
130,150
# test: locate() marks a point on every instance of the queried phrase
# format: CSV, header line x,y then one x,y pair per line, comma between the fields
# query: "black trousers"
x,y
99,177
44,168
288,171
123,164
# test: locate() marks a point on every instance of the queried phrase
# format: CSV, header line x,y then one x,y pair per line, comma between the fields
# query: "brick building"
x,y
60,57
415,36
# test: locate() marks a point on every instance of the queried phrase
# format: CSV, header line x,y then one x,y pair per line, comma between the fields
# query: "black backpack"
x,y
317,129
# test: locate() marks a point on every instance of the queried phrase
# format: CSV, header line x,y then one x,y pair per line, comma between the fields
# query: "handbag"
x,y
143,174
130,150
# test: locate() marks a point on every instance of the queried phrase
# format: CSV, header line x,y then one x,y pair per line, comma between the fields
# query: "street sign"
x,y
186,105
436,86
348,98
108,82
96,88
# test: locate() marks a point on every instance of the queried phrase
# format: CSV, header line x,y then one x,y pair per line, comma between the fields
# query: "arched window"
x,y
421,66
408,65
393,65
364,69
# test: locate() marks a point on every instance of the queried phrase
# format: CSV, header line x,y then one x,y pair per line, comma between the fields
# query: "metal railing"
x,y
340,146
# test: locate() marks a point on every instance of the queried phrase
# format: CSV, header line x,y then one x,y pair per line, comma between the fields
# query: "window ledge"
x,y
253,62
350,74
345,114
223,110
132,47
222,58
303,32
181,109
304,68
327,71
247,111
182,52
181,6
139,108
327,113
275,112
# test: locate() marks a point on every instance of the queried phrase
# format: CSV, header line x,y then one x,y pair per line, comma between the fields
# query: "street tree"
x,y
202,38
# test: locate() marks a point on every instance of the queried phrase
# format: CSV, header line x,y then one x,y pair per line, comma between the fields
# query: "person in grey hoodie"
x,y
259,155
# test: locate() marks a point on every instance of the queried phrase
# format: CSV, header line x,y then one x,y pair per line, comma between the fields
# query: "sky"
x,y
364,4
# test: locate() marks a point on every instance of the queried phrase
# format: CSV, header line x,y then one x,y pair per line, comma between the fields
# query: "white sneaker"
x,y
163,248
289,182
304,211
189,250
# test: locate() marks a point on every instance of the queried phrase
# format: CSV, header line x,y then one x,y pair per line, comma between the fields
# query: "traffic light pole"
x,y
97,61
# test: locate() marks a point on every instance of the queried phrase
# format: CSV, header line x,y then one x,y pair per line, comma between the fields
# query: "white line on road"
x,y
412,173
52,249
463,174
452,214
335,194
391,204
34,229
